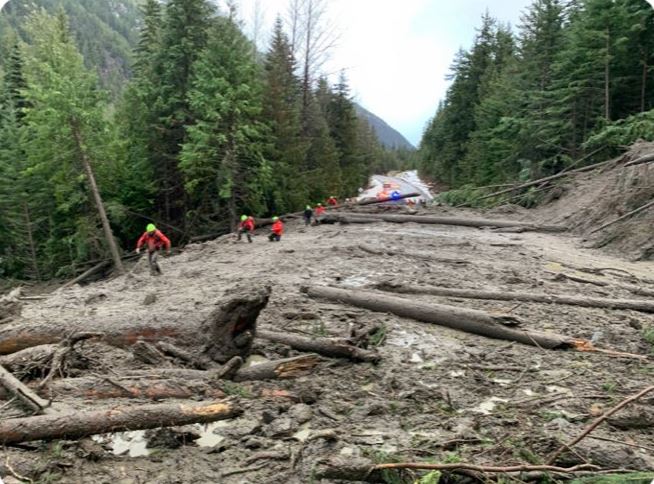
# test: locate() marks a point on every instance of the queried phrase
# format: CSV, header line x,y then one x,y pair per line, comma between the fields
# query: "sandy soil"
x,y
437,394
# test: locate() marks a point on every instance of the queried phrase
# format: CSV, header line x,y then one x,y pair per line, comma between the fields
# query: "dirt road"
x,y
437,394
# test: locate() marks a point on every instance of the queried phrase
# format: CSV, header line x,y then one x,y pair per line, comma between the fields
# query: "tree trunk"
x,y
30,239
332,347
115,419
643,85
29,359
109,236
86,274
227,332
20,390
468,320
589,302
468,222
607,77
282,369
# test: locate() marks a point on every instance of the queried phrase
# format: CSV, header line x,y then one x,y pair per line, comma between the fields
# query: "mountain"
x,y
388,137
105,31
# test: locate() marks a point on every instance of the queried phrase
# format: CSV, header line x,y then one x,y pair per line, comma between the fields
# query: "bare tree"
x,y
257,20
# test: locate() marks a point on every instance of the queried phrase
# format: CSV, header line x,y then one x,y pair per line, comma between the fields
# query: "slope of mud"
x,y
437,394
588,200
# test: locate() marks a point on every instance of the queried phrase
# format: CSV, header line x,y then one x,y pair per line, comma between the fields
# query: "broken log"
x,y
334,218
115,419
20,390
589,302
29,359
466,222
332,347
548,179
468,320
228,331
642,291
282,369
86,274
641,160
626,215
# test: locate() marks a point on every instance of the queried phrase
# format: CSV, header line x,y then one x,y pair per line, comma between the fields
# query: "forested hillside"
x,y
206,129
574,82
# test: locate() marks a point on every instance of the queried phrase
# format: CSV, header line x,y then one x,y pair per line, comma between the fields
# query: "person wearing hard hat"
x,y
332,201
307,214
319,213
276,230
246,225
155,240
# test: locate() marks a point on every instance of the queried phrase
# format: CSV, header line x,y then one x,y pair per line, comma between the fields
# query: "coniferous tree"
x,y
222,158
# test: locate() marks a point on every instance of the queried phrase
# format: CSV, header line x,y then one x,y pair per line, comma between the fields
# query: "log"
x,y
282,369
589,302
642,291
29,359
414,255
548,179
115,419
86,274
468,320
20,390
332,347
466,222
626,215
641,160
228,331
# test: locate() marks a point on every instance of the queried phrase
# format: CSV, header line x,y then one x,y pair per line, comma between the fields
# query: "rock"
x,y
240,428
301,413
253,442
170,438
267,416
150,298
635,417
281,427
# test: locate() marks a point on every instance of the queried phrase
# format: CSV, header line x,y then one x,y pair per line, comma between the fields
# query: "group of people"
x,y
155,240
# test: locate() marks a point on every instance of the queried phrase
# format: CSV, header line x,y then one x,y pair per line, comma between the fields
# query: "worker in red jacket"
x,y
155,240
246,226
332,201
276,230
318,213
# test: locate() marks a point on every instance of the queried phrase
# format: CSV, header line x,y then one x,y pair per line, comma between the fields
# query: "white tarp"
x,y
403,182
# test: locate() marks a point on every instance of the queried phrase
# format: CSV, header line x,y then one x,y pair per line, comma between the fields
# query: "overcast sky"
x,y
396,53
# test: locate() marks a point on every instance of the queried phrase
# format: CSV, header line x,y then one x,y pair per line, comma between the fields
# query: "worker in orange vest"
x,y
246,226
276,230
332,201
155,240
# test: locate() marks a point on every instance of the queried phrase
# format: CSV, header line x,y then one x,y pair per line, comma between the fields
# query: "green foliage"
x,y
623,132
648,336
432,477
628,478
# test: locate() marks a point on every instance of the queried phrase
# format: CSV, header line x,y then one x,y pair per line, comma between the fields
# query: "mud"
x,y
437,394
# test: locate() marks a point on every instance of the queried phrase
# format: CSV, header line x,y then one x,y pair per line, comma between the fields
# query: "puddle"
x,y
355,281
134,443
487,406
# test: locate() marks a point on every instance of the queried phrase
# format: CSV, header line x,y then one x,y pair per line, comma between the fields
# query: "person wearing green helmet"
x,y
308,215
155,240
276,230
246,226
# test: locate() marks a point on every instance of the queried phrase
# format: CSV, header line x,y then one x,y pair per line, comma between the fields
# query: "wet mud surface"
x,y
437,394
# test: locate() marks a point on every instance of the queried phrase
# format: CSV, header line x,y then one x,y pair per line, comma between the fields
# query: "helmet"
x,y
244,218
320,204
275,219
150,228
308,207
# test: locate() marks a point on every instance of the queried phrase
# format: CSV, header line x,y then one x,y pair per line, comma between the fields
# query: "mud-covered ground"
x,y
437,394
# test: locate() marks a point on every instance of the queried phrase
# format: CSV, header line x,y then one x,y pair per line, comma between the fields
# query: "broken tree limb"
x,y
641,160
466,222
282,369
332,347
548,179
228,331
468,320
598,421
589,302
115,419
626,215
88,273
22,392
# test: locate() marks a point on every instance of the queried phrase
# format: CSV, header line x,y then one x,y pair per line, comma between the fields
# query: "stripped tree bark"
x,y
332,347
468,320
115,419
466,222
589,302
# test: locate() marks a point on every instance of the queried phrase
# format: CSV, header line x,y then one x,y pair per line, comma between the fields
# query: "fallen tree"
x,y
20,391
227,332
589,302
466,222
332,347
115,419
413,255
468,320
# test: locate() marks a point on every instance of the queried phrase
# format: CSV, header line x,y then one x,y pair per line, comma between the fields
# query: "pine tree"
x,y
222,159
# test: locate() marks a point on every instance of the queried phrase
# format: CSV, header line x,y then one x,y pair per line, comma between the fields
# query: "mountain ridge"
x,y
388,136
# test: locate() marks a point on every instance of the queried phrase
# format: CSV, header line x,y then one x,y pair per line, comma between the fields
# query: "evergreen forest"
x,y
573,85
121,113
